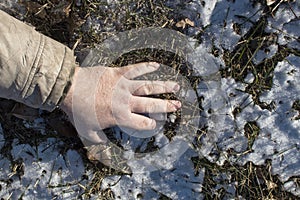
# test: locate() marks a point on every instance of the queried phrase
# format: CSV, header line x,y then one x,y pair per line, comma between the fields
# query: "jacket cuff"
x,y
34,69
63,82
50,76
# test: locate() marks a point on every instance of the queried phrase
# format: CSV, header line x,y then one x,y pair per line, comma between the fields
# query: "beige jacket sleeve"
x,y
34,69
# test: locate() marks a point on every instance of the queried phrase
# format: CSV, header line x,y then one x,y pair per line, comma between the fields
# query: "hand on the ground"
x,y
102,97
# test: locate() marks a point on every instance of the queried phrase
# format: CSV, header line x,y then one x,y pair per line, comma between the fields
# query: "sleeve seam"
x,y
34,67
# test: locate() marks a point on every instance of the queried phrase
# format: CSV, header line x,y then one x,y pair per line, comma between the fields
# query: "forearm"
x,y
34,69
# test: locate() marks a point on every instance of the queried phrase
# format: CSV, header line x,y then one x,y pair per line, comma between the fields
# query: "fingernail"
x,y
176,104
154,64
176,88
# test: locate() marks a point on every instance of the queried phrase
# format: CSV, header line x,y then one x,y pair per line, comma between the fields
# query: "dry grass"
x,y
250,181
239,62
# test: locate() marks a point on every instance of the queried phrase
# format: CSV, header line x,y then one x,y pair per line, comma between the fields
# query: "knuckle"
x,y
149,88
121,119
148,124
151,107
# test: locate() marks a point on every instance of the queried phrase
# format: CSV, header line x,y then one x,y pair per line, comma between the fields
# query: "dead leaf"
x,y
99,152
180,24
67,10
184,23
108,154
271,185
189,22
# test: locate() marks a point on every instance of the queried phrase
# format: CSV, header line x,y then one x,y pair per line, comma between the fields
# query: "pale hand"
x,y
102,97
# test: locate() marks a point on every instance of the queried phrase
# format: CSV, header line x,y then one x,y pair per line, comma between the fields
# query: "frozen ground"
x,y
46,173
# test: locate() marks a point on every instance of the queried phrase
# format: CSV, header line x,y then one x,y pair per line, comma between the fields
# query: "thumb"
x,y
91,137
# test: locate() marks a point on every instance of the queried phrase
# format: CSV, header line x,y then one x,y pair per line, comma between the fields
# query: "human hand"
x,y
102,97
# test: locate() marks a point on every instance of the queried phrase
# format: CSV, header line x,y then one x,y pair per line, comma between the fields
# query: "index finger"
x,y
139,69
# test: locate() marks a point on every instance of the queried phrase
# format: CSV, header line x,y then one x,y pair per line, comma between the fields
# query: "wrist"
x,y
67,102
